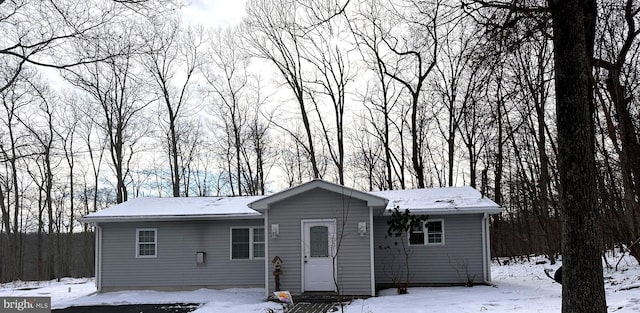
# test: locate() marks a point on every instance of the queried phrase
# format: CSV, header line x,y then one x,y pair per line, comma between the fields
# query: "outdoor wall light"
x,y
362,228
275,230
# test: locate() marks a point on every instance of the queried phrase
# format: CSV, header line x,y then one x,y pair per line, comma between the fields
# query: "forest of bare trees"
x,y
104,101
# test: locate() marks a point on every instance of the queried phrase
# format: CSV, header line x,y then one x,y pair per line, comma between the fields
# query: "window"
x,y
416,236
258,243
319,241
146,243
432,233
247,243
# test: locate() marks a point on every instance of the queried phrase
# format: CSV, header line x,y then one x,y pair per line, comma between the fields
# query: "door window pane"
x,y
319,241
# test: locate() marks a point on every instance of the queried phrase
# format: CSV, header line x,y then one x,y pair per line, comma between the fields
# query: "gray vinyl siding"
x,y
175,265
353,260
451,263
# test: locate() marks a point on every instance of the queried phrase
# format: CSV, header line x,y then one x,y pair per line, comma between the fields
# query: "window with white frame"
x,y
416,236
146,243
247,243
435,232
431,233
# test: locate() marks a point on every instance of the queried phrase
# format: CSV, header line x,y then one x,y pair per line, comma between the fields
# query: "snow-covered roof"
x,y
452,200
177,208
449,200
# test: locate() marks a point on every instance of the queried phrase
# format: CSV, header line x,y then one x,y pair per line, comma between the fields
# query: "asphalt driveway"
x,y
133,308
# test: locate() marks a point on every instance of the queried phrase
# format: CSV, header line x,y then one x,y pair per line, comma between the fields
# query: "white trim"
x,y
452,211
372,253
155,243
486,248
266,255
152,218
252,230
332,253
426,233
302,255
98,258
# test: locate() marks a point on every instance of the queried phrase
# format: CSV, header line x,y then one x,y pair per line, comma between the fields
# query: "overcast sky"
x,y
214,13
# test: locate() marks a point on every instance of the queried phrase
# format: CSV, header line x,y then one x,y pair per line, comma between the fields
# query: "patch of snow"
x,y
450,200
66,290
149,207
447,200
518,287
228,300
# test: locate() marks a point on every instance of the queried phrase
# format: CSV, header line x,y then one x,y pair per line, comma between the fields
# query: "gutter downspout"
x,y
486,254
267,234
372,252
98,258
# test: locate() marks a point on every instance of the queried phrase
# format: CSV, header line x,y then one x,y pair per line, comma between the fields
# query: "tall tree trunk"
x,y
573,37
416,142
173,147
500,153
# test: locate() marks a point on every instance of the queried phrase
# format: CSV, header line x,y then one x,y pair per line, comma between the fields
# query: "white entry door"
x,y
318,245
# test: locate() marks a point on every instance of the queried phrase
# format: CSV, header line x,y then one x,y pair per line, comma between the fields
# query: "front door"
x,y
318,245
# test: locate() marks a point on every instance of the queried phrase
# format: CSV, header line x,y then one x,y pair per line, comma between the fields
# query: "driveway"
x,y
133,308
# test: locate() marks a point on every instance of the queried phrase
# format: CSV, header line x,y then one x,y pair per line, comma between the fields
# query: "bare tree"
x,y
329,54
229,80
43,144
67,135
94,147
367,159
59,26
573,26
616,62
455,85
14,99
382,96
119,97
291,160
475,129
533,62
273,33
172,58
259,151
409,59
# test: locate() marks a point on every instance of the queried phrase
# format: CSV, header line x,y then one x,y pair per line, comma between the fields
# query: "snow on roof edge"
x,y
102,219
441,201
176,208
446,200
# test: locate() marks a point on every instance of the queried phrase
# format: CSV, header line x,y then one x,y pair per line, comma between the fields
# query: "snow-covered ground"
x,y
519,287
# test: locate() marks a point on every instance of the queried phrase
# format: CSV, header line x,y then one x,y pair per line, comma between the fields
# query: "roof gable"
x,y
371,199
